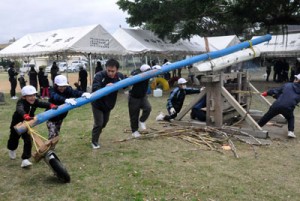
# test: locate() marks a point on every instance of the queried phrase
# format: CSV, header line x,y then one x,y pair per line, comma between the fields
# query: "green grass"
x,y
154,169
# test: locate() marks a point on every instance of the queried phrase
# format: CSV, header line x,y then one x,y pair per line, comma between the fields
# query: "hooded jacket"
x,y
288,96
24,107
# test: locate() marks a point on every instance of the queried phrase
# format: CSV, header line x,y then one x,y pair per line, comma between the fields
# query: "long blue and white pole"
x,y
42,117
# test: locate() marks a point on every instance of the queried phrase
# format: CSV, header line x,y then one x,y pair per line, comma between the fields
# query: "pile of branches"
x,y
212,138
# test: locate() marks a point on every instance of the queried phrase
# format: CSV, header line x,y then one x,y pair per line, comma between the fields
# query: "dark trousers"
x,y
198,114
134,106
272,112
13,86
100,120
13,143
83,86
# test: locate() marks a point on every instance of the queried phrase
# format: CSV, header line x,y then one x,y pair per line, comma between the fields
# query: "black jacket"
x,y
12,74
139,90
106,103
23,107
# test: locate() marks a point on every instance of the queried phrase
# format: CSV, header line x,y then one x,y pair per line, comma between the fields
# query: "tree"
x,y
177,19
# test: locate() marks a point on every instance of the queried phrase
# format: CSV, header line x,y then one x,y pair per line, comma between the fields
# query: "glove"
x,y
86,95
52,106
264,94
71,101
172,110
27,117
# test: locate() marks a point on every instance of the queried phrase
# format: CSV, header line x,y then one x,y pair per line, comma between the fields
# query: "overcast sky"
x,y
21,17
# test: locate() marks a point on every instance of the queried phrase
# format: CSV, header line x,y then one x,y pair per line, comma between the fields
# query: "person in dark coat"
x,y
102,107
138,100
82,78
287,97
12,74
44,83
98,67
26,107
176,99
33,77
54,71
22,80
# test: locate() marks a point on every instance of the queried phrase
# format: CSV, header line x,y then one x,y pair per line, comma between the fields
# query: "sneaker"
x,y
25,163
14,97
95,145
12,154
291,134
136,134
160,117
142,125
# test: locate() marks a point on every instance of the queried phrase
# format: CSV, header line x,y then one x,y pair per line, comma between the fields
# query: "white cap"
x,y
145,67
182,81
28,90
61,80
156,67
297,76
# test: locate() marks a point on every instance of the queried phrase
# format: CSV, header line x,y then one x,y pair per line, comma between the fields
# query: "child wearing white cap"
x,y
287,97
60,94
25,109
176,99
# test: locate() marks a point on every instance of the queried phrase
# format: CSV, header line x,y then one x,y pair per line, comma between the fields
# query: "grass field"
x,y
155,169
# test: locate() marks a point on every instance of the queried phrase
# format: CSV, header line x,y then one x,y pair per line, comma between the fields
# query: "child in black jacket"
x,y
25,109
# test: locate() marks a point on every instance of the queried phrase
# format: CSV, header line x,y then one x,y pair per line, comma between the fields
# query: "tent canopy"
x,y
87,39
217,42
141,41
281,46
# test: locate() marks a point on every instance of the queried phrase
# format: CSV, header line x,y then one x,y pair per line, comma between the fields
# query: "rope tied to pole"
x,y
36,137
251,47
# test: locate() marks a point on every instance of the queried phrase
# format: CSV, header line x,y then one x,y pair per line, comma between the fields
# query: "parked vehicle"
x,y
26,67
75,66
61,65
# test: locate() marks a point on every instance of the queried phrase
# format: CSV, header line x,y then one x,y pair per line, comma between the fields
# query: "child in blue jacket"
x,y
60,94
287,97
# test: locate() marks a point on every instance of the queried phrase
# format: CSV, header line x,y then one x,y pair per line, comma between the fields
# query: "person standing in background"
x,y
54,71
22,80
33,77
98,67
12,74
82,78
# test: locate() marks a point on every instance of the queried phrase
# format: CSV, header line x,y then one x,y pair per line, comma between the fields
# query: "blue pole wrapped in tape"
x,y
42,117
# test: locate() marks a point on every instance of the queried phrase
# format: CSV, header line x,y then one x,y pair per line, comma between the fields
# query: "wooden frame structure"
x,y
221,102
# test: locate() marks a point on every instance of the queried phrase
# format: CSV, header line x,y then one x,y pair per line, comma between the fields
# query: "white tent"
x,y
87,39
138,41
217,42
281,46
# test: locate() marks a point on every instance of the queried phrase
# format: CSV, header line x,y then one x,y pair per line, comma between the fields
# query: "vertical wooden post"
x,y
214,106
